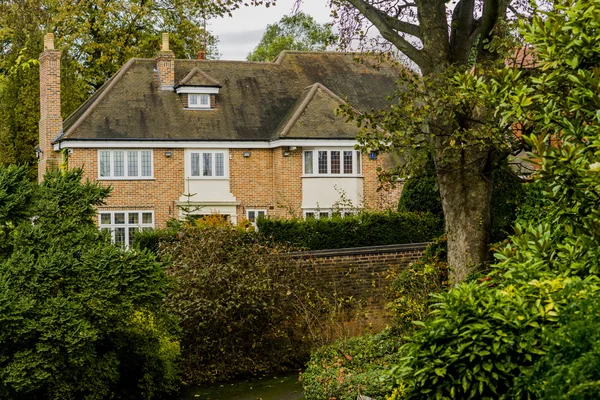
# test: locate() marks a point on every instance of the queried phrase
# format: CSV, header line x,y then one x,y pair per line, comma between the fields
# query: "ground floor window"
x,y
252,215
327,213
122,225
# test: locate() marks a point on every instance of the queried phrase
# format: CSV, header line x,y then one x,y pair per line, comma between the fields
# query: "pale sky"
x,y
239,35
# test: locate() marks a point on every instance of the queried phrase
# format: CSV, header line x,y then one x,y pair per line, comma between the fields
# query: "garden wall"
x,y
363,273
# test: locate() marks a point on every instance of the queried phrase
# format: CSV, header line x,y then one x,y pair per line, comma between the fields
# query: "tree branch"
x,y
401,26
387,31
493,10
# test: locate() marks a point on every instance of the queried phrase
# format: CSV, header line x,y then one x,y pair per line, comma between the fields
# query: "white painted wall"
x,y
324,192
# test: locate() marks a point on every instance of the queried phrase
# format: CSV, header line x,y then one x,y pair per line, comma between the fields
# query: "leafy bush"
x,y
244,306
365,229
570,368
352,366
80,317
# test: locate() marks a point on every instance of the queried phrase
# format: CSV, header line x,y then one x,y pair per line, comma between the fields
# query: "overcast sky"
x,y
240,34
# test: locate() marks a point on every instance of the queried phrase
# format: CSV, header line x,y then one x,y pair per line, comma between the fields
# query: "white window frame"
x,y
127,225
255,211
196,104
316,212
213,166
126,175
356,163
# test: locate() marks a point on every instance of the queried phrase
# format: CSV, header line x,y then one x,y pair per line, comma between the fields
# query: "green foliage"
x,y
570,369
80,317
244,306
421,193
294,32
535,206
364,229
16,193
413,287
352,366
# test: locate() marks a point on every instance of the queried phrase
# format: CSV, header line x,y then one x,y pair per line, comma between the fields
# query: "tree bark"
x,y
466,199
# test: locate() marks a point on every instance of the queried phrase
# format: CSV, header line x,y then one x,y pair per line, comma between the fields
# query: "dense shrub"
x,y
365,229
570,367
245,307
80,317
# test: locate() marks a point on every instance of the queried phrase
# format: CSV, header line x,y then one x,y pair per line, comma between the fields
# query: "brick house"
x,y
241,139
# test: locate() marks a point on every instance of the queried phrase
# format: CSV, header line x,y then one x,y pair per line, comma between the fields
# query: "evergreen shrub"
x,y
364,229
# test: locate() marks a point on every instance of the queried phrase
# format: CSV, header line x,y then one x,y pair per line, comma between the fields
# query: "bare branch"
x,y
388,31
401,26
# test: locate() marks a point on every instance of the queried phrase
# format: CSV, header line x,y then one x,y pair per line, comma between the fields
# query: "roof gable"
x,y
196,77
314,115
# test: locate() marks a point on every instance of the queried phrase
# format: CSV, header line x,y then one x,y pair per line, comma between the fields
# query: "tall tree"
x,y
97,37
293,32
442,39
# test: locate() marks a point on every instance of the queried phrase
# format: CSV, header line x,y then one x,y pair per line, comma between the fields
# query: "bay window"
x,y
208,164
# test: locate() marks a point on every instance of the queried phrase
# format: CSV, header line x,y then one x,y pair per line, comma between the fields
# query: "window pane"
x,y
206,164
105,219
105,163
120,236
195,164
119,218
261,214
322,162
358,165
219,164
251,216
308,162
132,232
146,162
146,218
347,162
204,100
134,218
335,162
192,99
323,215
119,163
309,215
132,163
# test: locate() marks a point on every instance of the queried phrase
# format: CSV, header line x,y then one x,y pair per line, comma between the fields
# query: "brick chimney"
x,y
201,55
165,61
50,117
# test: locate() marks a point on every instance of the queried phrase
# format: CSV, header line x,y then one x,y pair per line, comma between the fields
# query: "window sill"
x,y
198,109
332,176
149,178
207,178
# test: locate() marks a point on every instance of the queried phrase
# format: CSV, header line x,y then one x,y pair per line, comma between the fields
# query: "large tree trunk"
x,y
466,192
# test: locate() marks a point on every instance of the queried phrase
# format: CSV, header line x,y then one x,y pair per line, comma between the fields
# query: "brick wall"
x,y
158,194
363,272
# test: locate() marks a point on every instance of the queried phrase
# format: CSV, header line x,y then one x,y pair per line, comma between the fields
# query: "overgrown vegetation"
x,y
245,306
80,317
364,229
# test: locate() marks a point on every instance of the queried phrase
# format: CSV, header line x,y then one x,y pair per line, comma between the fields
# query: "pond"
x,y
269,388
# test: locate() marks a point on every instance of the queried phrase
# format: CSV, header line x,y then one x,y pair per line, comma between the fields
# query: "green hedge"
x,y
365,229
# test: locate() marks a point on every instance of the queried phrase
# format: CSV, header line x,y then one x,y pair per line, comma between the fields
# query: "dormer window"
x,y
198,100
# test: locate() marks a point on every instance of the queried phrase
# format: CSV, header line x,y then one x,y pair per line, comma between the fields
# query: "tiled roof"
x,y
257,100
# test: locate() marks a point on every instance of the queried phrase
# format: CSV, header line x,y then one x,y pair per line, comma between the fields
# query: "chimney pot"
x,y
49,41
165,42
201,55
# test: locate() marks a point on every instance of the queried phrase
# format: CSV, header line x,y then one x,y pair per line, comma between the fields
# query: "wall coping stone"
x,y
353,251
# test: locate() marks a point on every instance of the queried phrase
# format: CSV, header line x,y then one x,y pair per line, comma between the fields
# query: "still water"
x,y
268,388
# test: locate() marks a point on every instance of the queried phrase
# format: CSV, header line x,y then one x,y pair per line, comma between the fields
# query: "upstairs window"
x,y
125,164
198,100
208,164
332,162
